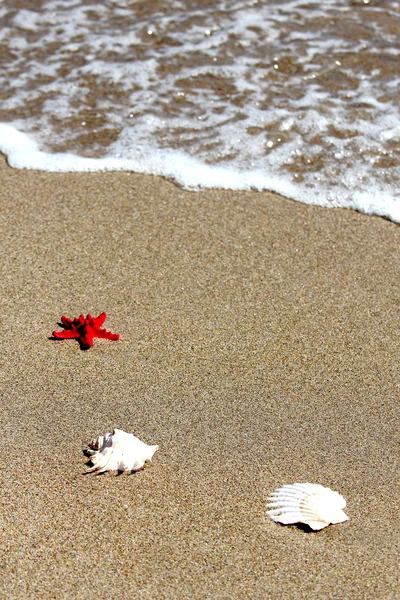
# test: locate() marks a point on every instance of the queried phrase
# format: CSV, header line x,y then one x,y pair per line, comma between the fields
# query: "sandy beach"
x,y
259,346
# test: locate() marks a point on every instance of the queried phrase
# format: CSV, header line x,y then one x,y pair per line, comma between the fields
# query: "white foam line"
x,y
23,152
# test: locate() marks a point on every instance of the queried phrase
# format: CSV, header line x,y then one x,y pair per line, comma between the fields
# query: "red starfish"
x,y
84,330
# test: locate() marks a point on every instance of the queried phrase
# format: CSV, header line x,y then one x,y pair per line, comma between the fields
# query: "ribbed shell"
x,y
118,451
308,503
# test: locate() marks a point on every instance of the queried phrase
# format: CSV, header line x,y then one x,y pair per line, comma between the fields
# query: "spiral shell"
x,y
118,451
308,503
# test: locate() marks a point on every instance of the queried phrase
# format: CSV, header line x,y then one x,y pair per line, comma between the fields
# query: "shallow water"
x,y
297,97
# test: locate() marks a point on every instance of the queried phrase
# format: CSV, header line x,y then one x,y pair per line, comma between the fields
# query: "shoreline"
x,y
259,346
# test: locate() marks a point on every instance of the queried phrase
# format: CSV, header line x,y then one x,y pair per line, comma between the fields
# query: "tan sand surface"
x,y
260,346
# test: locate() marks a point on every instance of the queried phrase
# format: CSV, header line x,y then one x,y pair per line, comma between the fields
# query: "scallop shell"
x,y
118,451
309,503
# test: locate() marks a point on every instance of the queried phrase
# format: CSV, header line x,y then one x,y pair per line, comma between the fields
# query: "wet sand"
x,y
260,346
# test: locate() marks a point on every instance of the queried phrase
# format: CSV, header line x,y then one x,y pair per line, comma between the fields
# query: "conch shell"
x,y
308,503
118,451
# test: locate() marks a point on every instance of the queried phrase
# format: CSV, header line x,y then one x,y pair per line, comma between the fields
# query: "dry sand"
x,y
260,346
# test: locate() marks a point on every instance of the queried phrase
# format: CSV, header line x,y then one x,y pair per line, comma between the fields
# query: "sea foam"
x,y
299,99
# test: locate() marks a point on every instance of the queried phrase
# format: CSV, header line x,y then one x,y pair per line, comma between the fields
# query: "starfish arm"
x,y
113,336
67,334
66,322
86,340
108,335
98,321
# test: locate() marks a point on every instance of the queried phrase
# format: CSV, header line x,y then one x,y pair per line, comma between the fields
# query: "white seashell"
x,y
309,503
118,451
